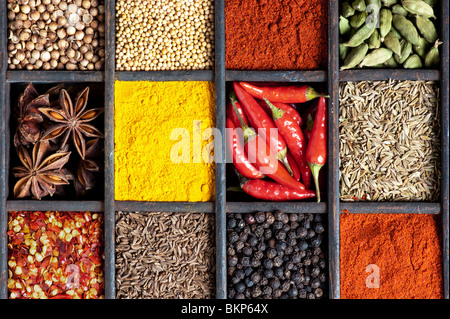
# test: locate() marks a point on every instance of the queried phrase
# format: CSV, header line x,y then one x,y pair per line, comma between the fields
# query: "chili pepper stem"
x,y
312,94
315,169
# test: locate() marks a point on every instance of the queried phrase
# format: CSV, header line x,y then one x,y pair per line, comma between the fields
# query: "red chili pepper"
x,y
272,191
284,94
316,152
240,159
308,128
267,164
262,122
295,170
283,106
232,115
293,135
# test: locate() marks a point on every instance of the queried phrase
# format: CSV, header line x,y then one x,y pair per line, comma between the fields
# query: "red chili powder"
x,y
403,249
276,34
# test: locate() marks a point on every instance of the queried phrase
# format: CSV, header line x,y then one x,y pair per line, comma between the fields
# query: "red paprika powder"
x,y
390,256
276,34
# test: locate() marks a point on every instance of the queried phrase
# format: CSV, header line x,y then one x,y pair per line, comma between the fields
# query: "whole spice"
x,y
157,124
164,35
293,135
47,163
316,151
275,259
55,255
389,141
46,33
390,256
273,191
274,35
262,123
164,255
236,149
283,94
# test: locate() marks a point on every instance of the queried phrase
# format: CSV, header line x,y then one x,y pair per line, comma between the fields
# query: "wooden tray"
x,y
331,206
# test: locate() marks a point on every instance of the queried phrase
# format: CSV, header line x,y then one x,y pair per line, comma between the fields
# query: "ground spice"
x,y
404,249
276,35
146,113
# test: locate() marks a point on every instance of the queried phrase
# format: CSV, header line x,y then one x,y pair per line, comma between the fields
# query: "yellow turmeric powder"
x,y
153,159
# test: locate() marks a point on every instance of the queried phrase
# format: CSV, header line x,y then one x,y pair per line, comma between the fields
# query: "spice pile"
x,y
276,35
162,146
265,139
405,35
164,35
56,34
165,256
56,142
389,143
390,256
55,255
276,255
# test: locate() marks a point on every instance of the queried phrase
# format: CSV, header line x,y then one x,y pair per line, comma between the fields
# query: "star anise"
x,y
71,120
85,177
29,119
41,172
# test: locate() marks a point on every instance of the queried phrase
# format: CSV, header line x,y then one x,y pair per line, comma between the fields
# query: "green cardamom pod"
x,y
418,7
355,56
406,28
433,57
377,56
393,43
426,28
344,26
374,41
347,10
343,51
396,33
358,19
430,2
398,9
423,48
359,5
391,63
388,3
360,36
385,22
413,62
405,53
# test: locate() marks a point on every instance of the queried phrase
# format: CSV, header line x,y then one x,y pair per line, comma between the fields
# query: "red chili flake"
x,y
45,259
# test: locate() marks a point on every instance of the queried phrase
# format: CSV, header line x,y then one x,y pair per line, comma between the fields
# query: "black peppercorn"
x,y
249,219
315,283
284,296
318,292
322,277
318,228
268,273
247,251
248,282
280,245
231,293
252,241
291,242
301,232
274,283
233,237
286,228
280,235
303,245
293,217
267,290
239,245
268,263
232,260
240,287
302,294
255,277
310,234
277,261
256,292
307,261
259,231
277,225
270,219
258,254
267,233
231,251
239,296
248,271
315,272
316,241
232,223
235,280
245,261
260,217
277,293
231,271
293,292
248,293
271,253
311,296
285,285
240,224
271,242
278,272
261,247
255,263
297,277
306,279
240,274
